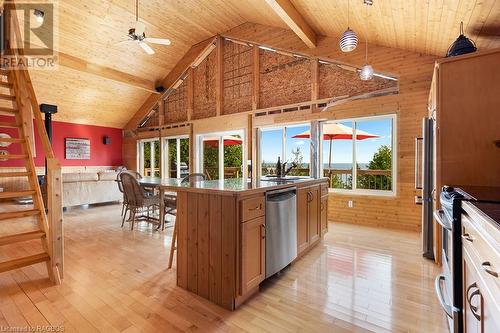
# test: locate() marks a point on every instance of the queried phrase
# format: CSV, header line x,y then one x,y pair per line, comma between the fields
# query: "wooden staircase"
x,y
24,142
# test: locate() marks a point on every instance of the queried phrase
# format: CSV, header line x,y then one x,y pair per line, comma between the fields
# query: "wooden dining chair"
x,y
137,200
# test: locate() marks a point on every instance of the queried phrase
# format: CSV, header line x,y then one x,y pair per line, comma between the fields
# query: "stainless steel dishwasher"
x,y
281,229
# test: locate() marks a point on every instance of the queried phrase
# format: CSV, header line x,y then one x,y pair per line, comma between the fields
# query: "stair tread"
x,y
24,261
13,156
15,174
8,110
21,237
7,97
9,124
16,194
18,213
13,140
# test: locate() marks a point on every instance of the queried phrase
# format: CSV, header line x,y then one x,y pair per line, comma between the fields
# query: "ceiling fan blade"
x,y
139,28
146,48
162,41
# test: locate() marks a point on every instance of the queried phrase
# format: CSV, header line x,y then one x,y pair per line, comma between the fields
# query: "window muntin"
x,y
371,156
291,144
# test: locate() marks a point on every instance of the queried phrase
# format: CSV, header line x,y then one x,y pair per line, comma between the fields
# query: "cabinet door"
x,y
470,278
302,217
324,215
253,254
314,214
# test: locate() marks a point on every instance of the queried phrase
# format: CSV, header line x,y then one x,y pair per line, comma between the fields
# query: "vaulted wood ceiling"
x,y
89,30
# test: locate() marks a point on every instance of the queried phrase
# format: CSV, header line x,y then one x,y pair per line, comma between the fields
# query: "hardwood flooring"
x,y
359,279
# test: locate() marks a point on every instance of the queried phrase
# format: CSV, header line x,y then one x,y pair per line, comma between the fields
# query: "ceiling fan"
x,y
138,35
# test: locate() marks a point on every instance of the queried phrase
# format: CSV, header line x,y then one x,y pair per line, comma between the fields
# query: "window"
x,y
291,144
176,157
365,164
149,157
225,162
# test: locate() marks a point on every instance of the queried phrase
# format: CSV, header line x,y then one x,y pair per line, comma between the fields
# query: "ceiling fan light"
x,y
348,41
39,15
366,73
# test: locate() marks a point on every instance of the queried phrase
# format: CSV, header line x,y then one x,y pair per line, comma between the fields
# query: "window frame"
x,y
283,127
220,135
165,160
355,190
140,155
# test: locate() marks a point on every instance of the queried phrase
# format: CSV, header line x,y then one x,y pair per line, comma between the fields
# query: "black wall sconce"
x,y
106,140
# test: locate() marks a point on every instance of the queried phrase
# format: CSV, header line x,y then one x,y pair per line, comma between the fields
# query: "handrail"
x,y
29,109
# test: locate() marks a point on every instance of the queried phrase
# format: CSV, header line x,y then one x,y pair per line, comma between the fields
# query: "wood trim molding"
x,y
191,57
289,14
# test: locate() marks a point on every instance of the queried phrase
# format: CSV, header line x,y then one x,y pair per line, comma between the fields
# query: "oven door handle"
x,y
439,292
441,219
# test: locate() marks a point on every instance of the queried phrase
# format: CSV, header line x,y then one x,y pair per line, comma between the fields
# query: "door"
x,y
149,157
253,254
222,155
314,216
324,215
302,217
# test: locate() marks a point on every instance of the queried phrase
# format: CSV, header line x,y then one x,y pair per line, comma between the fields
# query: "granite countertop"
x,y
230,186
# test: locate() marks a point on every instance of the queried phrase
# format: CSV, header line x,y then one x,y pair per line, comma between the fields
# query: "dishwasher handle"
x,y
281,195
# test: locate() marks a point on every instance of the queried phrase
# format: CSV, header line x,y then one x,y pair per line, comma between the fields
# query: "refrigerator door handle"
x,y
418,153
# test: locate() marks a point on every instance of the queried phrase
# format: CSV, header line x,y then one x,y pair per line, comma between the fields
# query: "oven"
x,y
448,284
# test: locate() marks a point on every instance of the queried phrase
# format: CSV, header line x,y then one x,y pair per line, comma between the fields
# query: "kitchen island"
x,y
221,233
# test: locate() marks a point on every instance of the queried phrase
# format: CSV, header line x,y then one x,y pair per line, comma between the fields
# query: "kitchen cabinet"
x,y
308,217
481,282
253,254
324,215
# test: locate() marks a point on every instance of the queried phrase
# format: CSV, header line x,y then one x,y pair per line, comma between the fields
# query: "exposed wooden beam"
x,y
84,66
190,94
289,14
192,56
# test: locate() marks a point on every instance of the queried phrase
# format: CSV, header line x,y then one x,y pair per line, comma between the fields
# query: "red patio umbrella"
x,y
335,131
229,140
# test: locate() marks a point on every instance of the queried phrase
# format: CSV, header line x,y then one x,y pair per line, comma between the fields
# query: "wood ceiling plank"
x,y
287,12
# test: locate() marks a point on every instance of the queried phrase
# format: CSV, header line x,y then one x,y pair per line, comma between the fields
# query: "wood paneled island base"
x,y
221,234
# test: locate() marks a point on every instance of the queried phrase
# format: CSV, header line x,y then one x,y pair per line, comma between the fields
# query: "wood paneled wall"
x,y
414,71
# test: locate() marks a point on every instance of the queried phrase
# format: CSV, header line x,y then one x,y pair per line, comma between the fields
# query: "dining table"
x,y
159,184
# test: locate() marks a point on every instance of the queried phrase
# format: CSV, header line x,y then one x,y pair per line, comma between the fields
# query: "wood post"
x,y
219,79
190,93
55,218
315,82
255,77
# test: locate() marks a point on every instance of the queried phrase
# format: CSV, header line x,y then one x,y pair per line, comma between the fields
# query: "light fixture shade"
x,y
348,41
366,73
39,15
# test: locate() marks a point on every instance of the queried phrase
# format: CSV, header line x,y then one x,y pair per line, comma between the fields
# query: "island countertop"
x,y
234,186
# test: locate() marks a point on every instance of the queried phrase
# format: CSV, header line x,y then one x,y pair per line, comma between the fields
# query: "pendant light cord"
x,y
366,37
348,7
136,10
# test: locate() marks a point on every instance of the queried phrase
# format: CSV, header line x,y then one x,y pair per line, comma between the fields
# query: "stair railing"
x,y
30,113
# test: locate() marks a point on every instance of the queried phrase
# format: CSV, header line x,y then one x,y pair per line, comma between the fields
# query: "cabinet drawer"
x,y
252,208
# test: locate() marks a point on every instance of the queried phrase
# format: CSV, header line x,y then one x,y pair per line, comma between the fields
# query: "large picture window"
x,y
358,155
221,155
149,157
176,157
292,144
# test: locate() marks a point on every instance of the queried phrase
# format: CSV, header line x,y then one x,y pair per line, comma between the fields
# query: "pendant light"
x,y
349,40
366,73
462,45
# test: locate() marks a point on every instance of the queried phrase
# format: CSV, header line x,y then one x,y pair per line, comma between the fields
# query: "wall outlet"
x,y
349,203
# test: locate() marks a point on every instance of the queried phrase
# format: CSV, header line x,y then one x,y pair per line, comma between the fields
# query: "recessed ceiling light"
x,y
39,15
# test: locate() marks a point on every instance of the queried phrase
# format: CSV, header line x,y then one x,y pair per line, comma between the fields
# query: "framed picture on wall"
x,y
77,148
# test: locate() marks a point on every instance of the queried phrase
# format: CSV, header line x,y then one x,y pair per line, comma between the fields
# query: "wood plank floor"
x,y
359,279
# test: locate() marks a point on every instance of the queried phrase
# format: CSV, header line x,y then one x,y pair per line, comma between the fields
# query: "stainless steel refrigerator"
x,y
424,173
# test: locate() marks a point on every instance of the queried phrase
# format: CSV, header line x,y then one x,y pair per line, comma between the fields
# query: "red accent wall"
x,y
100,154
